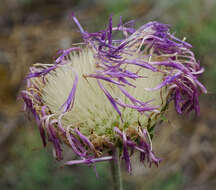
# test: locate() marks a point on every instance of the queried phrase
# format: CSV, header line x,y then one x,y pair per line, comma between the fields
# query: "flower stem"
x,y
116,171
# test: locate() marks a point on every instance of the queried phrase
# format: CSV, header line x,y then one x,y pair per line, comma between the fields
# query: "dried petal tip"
x,y
110,93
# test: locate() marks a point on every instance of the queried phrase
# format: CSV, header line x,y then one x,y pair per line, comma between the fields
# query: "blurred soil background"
x,y
33,30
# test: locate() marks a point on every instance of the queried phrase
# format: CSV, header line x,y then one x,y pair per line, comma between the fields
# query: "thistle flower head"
x,y
108,93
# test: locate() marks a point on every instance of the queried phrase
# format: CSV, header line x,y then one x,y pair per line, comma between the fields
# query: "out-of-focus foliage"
x,y
33,30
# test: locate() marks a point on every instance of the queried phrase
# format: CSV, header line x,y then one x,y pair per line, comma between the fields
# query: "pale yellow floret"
x,y
92,110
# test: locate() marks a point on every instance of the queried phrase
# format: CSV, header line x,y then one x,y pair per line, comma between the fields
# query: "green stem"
x,y
116,172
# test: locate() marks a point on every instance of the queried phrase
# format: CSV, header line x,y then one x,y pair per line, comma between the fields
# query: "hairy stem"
x,y
116,171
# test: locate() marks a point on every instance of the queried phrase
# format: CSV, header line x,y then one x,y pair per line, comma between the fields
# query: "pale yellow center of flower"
x,y
92,110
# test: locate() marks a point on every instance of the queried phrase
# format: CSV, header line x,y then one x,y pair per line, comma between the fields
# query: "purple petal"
x,y
65,53
43,72
89,161
78,24
139,108
68,105
110,30
84,139
168,80
178,101
125,153
110,98
98,76
141,64
73,145
56,143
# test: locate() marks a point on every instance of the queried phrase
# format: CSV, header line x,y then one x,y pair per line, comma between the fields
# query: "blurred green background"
x,y
33,30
